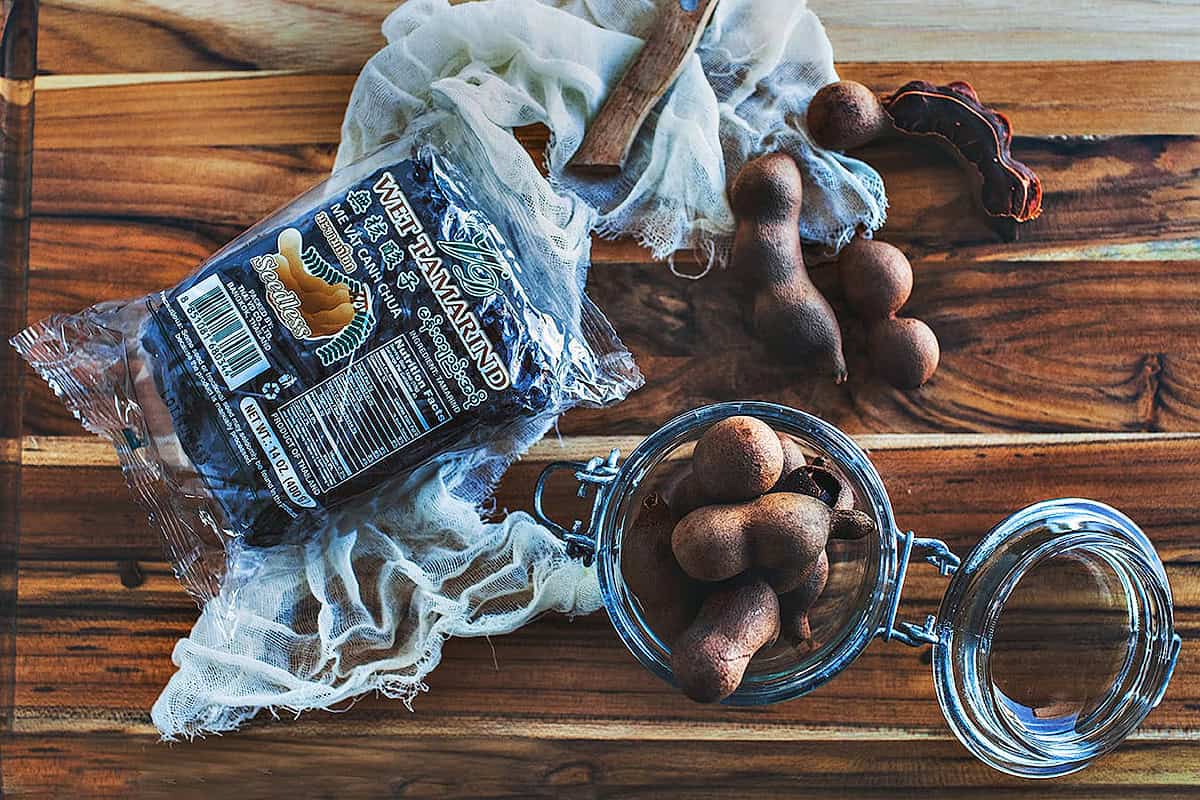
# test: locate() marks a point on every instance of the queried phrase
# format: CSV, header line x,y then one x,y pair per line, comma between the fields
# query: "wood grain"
x,y
106,36
953,487
1125,190
97,639
1041,99
1026,346
103,36
320,766
18,65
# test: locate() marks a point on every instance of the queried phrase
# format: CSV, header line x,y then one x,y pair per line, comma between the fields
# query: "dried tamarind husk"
x,y
820,482
978,135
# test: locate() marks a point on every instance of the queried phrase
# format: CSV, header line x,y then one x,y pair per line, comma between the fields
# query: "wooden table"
x,y
1070,367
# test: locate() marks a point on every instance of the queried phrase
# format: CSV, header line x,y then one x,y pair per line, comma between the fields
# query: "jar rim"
x,y
977,595
815,431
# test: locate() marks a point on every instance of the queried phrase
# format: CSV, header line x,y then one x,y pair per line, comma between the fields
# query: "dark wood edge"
x,y
18,65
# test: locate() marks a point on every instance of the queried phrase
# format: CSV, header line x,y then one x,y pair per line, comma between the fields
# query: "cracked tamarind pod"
x,y
977,136
817,480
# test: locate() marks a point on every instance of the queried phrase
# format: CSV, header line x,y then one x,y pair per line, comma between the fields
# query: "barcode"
x,y
223,332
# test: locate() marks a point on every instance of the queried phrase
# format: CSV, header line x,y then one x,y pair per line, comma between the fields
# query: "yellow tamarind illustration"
x,y
326,307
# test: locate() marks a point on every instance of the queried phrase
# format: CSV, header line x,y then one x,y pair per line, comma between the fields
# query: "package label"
x,y
300,363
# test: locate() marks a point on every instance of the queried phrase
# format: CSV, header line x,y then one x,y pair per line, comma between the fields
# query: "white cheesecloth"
x,y
367,605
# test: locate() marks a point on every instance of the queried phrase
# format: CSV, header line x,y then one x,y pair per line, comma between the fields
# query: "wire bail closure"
x,y
593,475
935,553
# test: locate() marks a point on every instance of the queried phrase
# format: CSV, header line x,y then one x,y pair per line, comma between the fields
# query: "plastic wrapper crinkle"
x,y
405,309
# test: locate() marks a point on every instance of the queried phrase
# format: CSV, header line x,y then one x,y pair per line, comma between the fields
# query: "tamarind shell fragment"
x,y
820,482
979,135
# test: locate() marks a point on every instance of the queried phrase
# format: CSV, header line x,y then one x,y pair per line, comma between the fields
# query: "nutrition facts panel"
x,y
360,416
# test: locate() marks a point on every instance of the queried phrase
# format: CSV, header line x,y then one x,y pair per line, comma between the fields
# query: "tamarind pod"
x,y
710,658
794,606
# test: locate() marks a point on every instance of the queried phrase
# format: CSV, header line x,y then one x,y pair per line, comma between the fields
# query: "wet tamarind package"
x,y
401,311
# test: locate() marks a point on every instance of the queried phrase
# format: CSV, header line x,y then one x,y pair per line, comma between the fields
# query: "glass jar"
x,y
1006,667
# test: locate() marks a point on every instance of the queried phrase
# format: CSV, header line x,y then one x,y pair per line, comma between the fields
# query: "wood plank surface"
x,y
98,607
1026,346
1069,368
319,765
1121,193
211,109
951,486
103,36
18,65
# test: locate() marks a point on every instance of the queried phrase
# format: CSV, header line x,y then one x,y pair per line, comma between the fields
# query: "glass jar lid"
x,y
1054,639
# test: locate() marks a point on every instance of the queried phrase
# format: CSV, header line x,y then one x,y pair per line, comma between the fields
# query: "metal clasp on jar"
x,y
594,476
933,552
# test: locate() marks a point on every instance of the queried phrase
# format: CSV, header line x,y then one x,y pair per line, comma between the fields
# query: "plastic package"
x,y
403,309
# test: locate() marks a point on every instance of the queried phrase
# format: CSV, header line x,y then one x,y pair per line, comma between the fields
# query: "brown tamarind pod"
x,y
685,495
669,599
767,189
794,606
797,323
788,312
904,351
738,458
845,115
876,278
710,658
778,534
